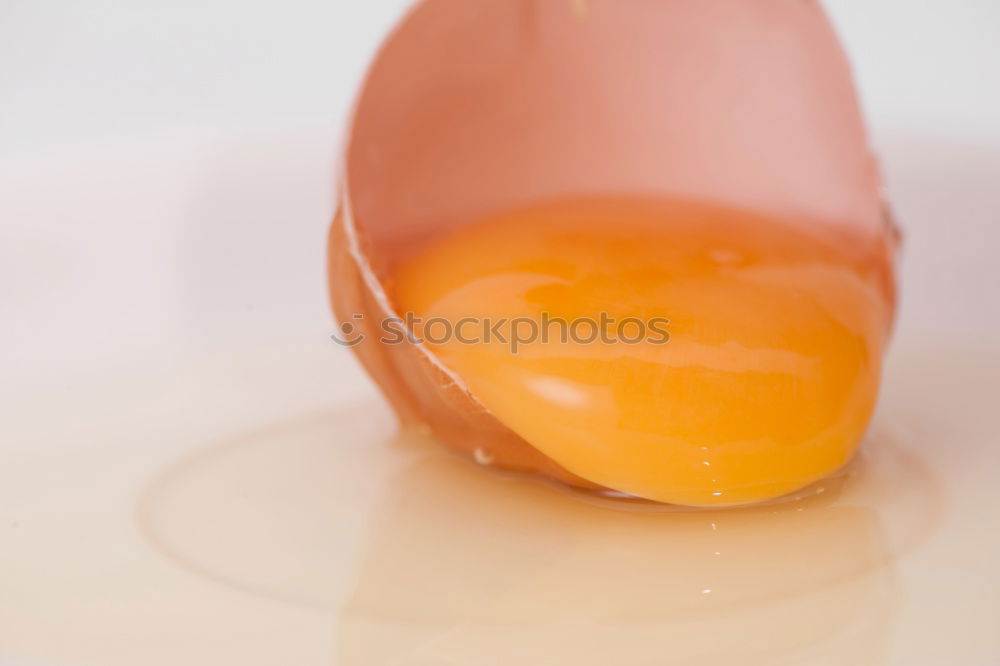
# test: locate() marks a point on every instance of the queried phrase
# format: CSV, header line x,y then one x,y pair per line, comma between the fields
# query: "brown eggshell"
x,y
474,107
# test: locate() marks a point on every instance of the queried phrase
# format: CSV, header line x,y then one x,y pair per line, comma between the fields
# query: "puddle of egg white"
x,y
426,559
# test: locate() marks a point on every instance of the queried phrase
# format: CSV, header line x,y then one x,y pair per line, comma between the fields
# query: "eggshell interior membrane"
x,y
476,107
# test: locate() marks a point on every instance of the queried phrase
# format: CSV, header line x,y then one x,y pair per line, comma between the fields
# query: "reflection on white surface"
x,y
424,558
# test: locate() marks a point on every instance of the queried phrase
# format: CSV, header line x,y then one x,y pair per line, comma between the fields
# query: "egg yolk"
x,y
674,351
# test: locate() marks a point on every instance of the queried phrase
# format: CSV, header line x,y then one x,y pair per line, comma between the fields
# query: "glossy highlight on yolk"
x,y
759,365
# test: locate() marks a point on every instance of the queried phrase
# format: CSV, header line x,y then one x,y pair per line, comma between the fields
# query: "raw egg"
x,y
676,352
640,248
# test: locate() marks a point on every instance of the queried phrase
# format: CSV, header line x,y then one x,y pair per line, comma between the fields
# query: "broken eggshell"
x,y
475,107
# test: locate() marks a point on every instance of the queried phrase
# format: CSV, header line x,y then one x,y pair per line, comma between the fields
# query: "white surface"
x,y
165,187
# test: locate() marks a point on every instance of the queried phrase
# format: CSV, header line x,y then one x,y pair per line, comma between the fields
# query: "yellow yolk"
x,y
757,364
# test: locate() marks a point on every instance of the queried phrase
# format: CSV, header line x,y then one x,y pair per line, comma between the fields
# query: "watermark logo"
x,y
513,332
